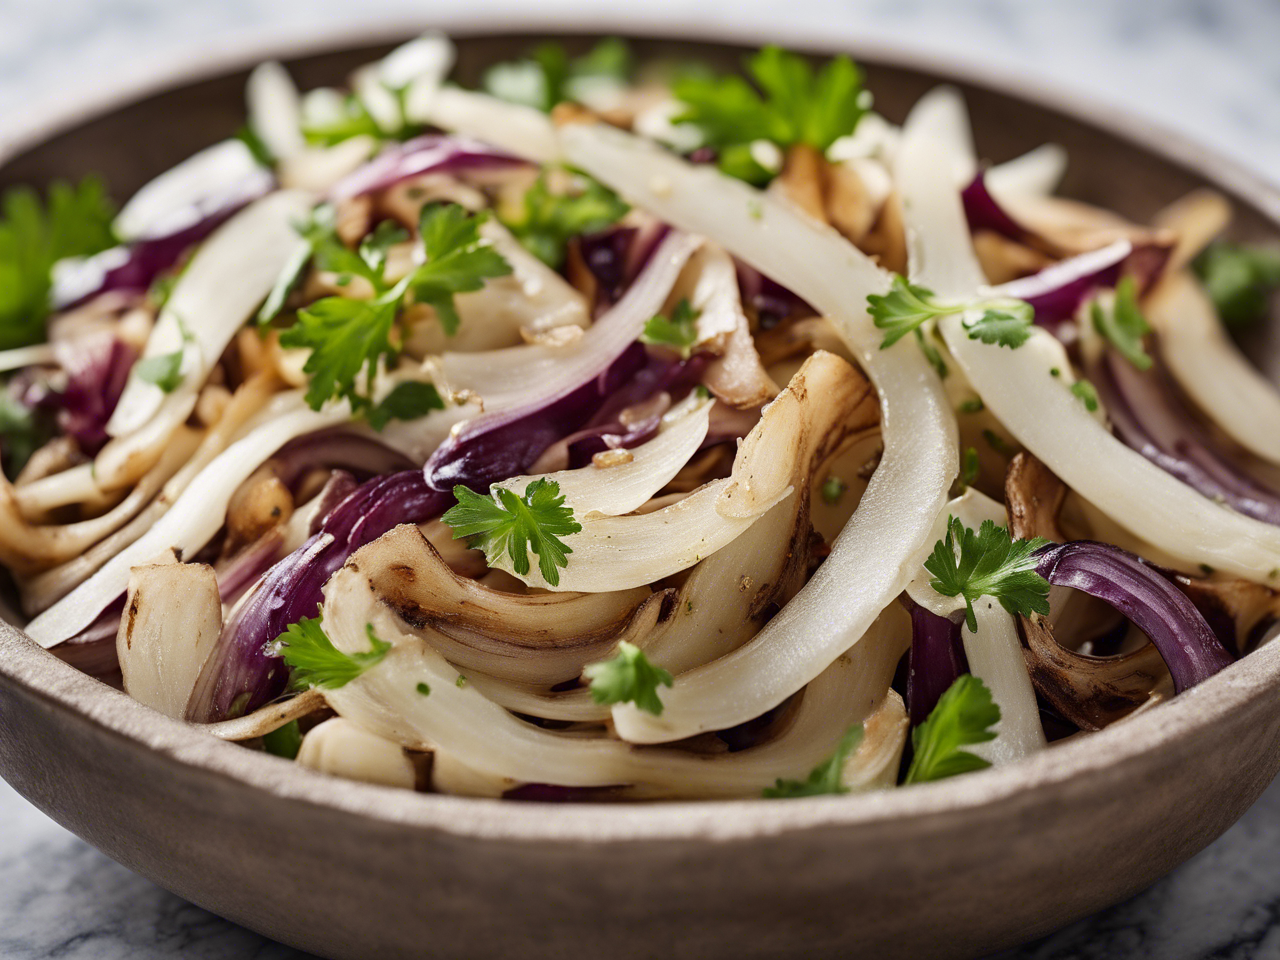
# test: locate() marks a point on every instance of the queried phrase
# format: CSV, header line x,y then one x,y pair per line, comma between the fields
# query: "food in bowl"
x,y
633,434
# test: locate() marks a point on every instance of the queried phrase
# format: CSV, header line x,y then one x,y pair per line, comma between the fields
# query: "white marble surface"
x,y
1207,68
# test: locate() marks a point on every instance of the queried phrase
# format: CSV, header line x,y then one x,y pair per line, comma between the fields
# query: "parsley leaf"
x,y
1087,393
794,105
628,678
75,221
964,715
353,119
1124,325
679,333
316,662
283,741
514,525
406,401
826,776
907,306
972,467
23,430
547,76
347,336
833,488
548,221
991,564
165,370
1239,279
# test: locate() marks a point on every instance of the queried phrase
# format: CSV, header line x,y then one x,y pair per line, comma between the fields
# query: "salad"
x,y
624,431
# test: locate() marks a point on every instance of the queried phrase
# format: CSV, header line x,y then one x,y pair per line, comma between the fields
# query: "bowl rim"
x,y
45,677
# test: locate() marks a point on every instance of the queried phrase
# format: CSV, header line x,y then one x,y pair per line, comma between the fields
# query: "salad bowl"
x,y
347,870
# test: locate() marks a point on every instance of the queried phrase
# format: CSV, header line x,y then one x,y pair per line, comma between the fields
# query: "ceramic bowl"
x,y
347,870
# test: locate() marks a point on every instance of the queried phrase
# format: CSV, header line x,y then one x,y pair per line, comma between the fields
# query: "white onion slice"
x,y
885,540
193,519
1039,409
275,110
228,278
171,621
346,749
522,131
1210,367
1037,172
593,492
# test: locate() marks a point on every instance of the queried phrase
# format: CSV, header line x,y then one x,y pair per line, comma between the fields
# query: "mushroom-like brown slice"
x,y
1089,691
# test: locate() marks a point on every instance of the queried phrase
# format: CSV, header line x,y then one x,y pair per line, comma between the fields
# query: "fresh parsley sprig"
x,y
964,716
548,76
628,677
1239,279
316,662
74,221
908,306
990,564
513,525
794,104
1123,324
679,332
348,337
547,221
825,777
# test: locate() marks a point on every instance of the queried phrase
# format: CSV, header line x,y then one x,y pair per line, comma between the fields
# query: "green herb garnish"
x,y
1123,325
316,662
628,678
547,221
548,75
964,716
679,332
825,777
908,306
283,741
1087,394
990,564
1239,279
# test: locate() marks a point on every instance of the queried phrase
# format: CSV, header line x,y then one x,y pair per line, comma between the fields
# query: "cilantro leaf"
x,y
904,308
1239,279
825,777
165,370
990,564
316,662
458,261
548,221
793,105
513,525
547,76
347,336
74,221
964,715
1009,327
1124,325
908,306
1087,393
406,401
628,678
283,741
679,333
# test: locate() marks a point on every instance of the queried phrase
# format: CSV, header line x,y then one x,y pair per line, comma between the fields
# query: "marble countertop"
x,y
1207,68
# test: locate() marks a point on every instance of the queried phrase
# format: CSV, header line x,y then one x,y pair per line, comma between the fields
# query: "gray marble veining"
x,y
1207,68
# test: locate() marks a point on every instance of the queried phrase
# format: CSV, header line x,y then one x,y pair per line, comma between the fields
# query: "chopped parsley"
x,y
73,221
825,777
1239,279
833,488
990,564
23,430
972,466
908,306
164,370
514,525
964,716
283,741
790,104
628,678
999,444
971,406
547,221
316,662
679,332
1087,394
348,337
423,689
406,401
548,76
353,119
1123,325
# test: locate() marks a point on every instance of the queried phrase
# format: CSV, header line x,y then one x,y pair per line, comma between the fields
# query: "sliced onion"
x,y
887,535
1210,367
190,522
1039,410
937,659
171,621
1057,291
275,110
519,130
1151,602
432,153
345,749
1037,172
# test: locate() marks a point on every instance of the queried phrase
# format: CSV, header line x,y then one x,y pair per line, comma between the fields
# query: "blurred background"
x,y
1208,70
